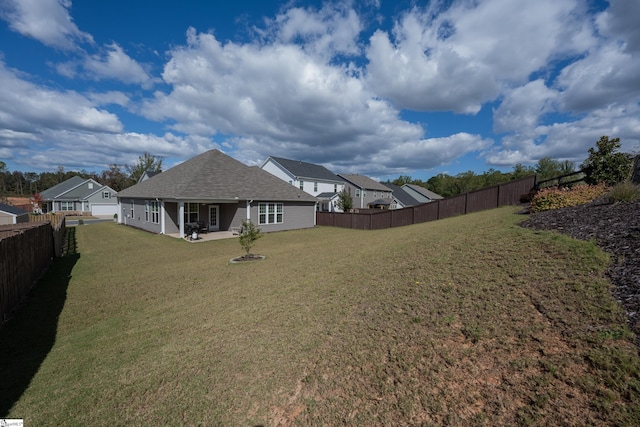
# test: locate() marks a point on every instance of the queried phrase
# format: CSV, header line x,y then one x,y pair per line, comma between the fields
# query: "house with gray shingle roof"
x,y
219,191
12,215
80,195
421,194
401,199
364,190
314,179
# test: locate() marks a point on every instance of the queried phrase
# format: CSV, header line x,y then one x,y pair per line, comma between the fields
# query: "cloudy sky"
x,y
377,87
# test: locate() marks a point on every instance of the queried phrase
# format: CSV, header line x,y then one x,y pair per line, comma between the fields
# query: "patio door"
x,y
214,218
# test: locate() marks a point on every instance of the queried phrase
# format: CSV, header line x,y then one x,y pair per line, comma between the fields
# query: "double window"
x,y
66,206
270,213
106,195
190,212
155,212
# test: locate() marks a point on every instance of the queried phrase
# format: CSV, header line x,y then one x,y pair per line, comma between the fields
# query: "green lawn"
x,y
465,321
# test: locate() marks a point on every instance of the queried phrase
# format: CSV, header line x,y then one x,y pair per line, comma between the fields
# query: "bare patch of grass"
x,y
471,320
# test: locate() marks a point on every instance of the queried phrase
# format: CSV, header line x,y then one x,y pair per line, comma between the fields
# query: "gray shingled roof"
x,y
326,195
364,182
402,196
424,191
58,189
214,175
306,170
12,209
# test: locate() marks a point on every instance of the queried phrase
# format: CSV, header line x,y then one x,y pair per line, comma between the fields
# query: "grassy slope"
x,y
469,320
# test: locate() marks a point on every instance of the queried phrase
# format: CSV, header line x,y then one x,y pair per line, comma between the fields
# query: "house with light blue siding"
x,y
79,195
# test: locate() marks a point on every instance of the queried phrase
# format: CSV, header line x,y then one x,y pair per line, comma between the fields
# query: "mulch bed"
x,y
616,229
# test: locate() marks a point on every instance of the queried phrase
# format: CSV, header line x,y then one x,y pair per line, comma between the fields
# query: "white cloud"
x,y
47,21
607,75
276,99
459,58
620,21
523,107
570,140
429,153
115,64
29,108
332,30
85,150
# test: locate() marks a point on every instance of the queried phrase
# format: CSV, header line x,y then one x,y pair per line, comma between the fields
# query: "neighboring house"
x,y
218,190
147,174
313,179
401,199
421,194
364,190
12,215
80,196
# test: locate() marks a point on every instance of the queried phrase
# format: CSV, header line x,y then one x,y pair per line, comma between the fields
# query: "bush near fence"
x,y
504,194
26,251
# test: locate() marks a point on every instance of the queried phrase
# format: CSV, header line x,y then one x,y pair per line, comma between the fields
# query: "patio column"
x,y
181,217
249,210
162,226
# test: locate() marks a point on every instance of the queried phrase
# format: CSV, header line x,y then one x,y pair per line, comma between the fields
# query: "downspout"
x,y
249,210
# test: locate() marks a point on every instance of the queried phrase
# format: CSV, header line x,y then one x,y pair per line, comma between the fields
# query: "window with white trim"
x,y
106,194
315,187
301,184
190,212
335,188
146,211
270,213
357,192
132,205
66,206
155,212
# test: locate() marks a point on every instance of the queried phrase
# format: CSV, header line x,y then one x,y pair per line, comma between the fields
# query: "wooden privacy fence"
x,y
26,251
53,218
508,193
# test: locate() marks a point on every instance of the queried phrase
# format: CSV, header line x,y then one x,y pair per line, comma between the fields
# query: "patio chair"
x,y
202,228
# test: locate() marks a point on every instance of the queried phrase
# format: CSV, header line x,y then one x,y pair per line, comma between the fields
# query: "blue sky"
x,y
381,88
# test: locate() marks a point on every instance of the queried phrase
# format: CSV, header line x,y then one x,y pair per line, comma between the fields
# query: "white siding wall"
x,y
276,171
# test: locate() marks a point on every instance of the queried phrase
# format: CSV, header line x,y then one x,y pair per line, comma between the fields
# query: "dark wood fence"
x,y
26,251
508,193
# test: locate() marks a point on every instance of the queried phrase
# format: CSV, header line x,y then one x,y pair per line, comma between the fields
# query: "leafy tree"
x,y
250,233
146,162
548,168
567,167
345,201
521,171
402,180
115,178
605,164
3,189
37,200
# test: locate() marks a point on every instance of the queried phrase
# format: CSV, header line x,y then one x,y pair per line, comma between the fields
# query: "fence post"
x,y
466,201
